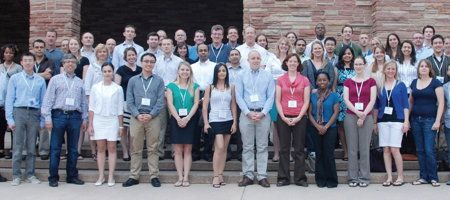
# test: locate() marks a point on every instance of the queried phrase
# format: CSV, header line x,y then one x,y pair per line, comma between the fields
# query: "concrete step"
x,y
205,177
169,165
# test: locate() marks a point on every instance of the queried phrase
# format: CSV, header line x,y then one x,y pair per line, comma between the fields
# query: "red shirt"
x,y
365,92
298,87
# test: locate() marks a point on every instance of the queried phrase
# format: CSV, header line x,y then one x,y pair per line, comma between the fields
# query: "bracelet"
x,y
120,127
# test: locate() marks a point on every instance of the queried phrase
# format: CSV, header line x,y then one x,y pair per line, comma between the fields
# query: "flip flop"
x,y
387,183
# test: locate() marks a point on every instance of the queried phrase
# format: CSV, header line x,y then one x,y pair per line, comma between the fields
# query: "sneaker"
x,y
33,180
15,182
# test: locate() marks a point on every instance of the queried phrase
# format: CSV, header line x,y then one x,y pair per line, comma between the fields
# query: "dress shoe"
x,y
8,155
263,182
111,183
161,158
44,157
130,182
99,182
24,157
127,159
2,179
239,158
282,182
302,183
245,181
53,183
155,182
76,181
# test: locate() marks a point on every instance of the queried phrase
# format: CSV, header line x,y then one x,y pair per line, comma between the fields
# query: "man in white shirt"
x,y
129,34
320,36
153,46
428,32
249,45
166,67
422,52
88,51
203,75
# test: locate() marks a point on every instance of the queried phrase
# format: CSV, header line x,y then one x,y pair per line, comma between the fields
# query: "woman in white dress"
x,y
106,121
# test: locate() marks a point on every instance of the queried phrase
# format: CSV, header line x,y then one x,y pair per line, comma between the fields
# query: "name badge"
x,y
359,106
182,112
31,101
388,110
145,102
254,98
70,101
222,114
440,78
292,104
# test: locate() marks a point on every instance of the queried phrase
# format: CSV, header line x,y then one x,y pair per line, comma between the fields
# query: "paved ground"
x,y
230,192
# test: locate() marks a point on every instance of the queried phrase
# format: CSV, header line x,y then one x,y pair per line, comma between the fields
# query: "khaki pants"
x,y
139,132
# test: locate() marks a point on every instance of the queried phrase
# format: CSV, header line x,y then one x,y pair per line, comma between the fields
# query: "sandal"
x,y
178,183
185,183
222,183
419,181
216,185
362,184
387,183
80,157
398,183
435,183
63,157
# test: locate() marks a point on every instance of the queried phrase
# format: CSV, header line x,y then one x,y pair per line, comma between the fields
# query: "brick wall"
x,y
378,17
108,18
62,15
14,23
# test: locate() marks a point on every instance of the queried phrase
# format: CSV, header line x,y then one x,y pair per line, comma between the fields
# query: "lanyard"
x,y
254,83
389,94
67,84
26,82
441,63
148,86
36,67
183,97
218,53
358,90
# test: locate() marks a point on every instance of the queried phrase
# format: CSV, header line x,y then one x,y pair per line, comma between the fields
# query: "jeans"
x,y
325,173
425,140
447,138
70,124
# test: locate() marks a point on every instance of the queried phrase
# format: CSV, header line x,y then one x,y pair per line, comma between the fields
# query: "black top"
x,y
80,64
126,73
425,100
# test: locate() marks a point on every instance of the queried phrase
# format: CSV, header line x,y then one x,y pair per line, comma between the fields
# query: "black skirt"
x,y
221,127
182,135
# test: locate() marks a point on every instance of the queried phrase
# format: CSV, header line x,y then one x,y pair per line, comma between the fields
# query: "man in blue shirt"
x,y
255,91
218,52
52,52
199,38
24,98
232,36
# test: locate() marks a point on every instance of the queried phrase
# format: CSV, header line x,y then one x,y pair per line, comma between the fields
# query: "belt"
x,y
66,112
255,109
28,108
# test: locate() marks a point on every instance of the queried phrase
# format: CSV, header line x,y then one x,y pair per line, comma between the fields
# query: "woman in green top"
x,y
182,101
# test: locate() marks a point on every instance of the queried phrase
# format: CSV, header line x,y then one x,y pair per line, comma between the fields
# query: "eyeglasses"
x,y
149,61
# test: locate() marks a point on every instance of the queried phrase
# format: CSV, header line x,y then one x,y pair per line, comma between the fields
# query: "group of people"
x,y
306,95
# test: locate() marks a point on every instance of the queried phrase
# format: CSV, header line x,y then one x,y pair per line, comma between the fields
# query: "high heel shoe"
x,y
216,185
111,183
99,182
222,182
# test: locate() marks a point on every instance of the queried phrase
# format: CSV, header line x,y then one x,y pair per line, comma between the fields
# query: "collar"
x,y
231,67
68,75
253,71
125,43
167,59
84,50
212,45
143,77
204,63
27,75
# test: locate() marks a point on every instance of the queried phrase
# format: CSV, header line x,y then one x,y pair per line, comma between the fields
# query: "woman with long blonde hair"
x,y
182,101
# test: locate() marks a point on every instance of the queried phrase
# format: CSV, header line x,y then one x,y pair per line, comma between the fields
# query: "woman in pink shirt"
x,y
292,101
360,94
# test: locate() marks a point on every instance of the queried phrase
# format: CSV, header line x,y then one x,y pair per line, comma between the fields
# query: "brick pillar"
x,y
63,16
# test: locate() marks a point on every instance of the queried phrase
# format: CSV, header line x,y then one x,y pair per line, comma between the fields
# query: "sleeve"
x,y
121,101
116,57
404,97
84,106
240,95
92,98
130,98
270,97
160,99
347,83
49,100
306,82
9,101
88,81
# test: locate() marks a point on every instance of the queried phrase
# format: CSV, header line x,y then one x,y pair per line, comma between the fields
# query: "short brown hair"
x,y
428,63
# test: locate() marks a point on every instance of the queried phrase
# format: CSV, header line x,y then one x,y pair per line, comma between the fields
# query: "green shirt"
x,y
177,94
356,49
